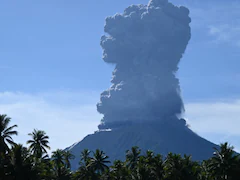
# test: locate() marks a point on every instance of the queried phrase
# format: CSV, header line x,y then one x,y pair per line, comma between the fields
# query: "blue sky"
x,y
51,70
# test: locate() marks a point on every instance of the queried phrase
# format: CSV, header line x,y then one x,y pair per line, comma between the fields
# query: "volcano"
x,y
143,107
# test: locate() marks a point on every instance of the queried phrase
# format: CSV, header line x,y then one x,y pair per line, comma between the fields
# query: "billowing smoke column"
x,y
145,43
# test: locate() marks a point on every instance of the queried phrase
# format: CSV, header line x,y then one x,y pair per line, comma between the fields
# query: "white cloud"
x,y
219,117
226,33
65,116
217,121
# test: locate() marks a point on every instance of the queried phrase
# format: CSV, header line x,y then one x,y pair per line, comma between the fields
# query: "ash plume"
x,y
146,44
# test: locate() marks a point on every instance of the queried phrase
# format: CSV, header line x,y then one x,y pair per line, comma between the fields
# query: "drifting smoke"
x,y
145,43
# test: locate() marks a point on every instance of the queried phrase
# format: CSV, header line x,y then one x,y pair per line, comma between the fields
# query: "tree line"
x,y
33,162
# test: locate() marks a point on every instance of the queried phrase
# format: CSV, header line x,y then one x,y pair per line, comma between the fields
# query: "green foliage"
x,y
38,143
33,163
98,162
132,157
6,133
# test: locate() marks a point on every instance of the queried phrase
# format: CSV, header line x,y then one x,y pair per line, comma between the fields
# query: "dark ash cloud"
x,y
146,44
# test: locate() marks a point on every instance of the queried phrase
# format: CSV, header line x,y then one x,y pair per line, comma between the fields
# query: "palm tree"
x,y
44,167
155,163
59,166
178,167
143,169
173,166
67,157
132,157
85,157
120,171
6,133
58,160
205,171
20,162
85,173
224,161
98,162
39,143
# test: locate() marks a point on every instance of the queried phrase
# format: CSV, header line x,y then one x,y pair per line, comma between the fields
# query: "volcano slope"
x,y
159,137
